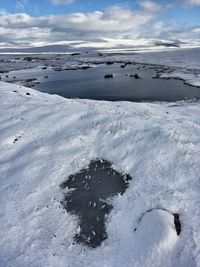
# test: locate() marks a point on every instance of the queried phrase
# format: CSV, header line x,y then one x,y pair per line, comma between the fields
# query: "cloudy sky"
x,y
96,23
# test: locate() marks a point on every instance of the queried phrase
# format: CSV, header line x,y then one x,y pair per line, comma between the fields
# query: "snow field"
x,y
45,138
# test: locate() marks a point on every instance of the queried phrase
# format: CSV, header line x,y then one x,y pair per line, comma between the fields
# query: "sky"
x,y
92,23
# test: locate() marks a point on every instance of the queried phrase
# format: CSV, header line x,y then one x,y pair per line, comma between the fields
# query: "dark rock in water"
x,y
44,68
157,76
108,76
7,76
3,71
91,188
75,54
109,63
136,76
85,67
28,58
123,66
14,77
30,80
28,94
46,77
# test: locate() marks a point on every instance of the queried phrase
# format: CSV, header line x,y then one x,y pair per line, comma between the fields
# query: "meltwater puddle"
x,y
88,199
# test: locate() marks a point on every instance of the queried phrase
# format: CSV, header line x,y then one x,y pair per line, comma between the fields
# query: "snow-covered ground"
x,y
180,63
45,138
174,57
184,63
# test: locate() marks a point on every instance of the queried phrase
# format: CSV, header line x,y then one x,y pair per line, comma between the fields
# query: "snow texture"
x,y
45,138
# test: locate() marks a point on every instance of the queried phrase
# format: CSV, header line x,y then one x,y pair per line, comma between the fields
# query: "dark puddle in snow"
x,y
88,199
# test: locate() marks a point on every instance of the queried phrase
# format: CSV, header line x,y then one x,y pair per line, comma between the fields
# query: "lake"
x,y
91,84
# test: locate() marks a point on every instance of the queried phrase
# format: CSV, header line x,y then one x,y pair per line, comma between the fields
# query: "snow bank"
x,y
184,63
46,138
188,77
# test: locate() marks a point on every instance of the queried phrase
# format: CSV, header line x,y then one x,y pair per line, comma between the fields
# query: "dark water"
x,y
90,84
88,199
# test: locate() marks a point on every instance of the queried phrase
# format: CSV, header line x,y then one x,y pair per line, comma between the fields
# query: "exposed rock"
x,y
76,54
157,76
109,63
30,80
136,76
85,67
28,58
108,76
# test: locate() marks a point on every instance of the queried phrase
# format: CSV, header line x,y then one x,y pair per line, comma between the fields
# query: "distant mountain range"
x,y
57,48
40,49
168,44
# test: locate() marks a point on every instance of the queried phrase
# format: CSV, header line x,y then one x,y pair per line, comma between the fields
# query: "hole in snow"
x,y
156,233
176,219
177,223
92,187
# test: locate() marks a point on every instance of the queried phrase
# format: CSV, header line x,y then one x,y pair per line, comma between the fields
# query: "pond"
x,y
91,84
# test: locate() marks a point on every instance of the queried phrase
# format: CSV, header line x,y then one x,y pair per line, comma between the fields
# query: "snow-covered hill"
x,y
46,138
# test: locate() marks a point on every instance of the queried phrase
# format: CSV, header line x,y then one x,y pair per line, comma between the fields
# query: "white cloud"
x,y
150,5
191,2
62,2
115,23
113,19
